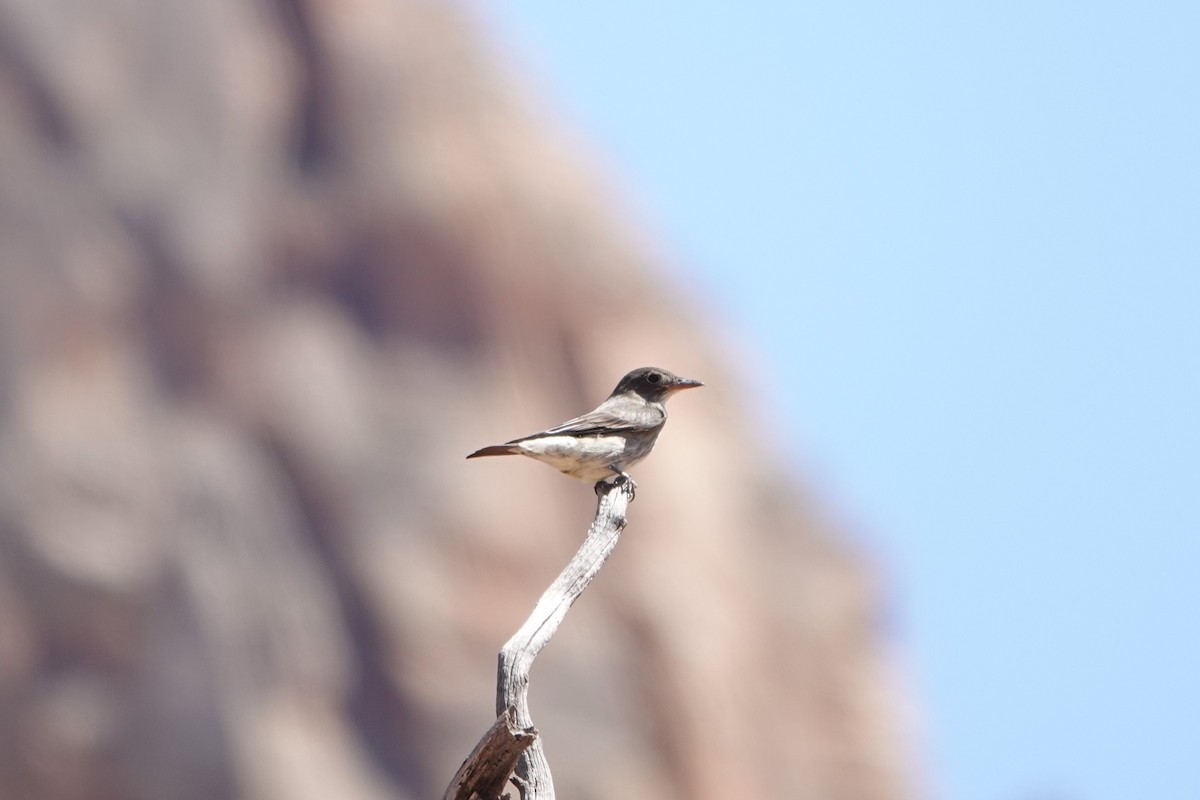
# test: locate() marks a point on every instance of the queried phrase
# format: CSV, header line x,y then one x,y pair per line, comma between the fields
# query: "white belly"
x,y
587,458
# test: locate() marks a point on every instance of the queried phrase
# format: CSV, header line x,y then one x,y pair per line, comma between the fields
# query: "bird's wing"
x,y
601,422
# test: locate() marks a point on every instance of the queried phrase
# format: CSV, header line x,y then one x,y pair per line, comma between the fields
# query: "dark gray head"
x,y
653,383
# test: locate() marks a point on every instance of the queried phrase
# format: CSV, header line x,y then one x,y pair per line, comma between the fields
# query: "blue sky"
x,y
965,239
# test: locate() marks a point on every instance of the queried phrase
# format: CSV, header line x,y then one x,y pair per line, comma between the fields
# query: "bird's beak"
x,y
686,383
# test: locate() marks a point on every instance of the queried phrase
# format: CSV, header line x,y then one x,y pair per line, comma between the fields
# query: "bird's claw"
x,y
622,479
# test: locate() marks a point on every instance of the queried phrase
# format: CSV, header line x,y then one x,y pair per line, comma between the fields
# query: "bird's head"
x,y
653,383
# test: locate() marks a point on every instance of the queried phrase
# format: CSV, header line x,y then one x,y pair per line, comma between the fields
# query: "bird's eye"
x,y
654,377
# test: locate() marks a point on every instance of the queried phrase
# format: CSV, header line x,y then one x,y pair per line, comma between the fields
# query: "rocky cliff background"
x,y
268,270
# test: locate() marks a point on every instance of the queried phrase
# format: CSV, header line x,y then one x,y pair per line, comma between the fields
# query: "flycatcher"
x,y
605,442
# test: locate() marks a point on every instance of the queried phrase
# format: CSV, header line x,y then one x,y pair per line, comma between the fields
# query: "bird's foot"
x,y
622,478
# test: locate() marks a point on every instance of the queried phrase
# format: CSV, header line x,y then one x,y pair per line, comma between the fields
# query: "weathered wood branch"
x,y
487,772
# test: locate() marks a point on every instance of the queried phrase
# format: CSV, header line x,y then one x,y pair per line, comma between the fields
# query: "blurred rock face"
x,y
268,271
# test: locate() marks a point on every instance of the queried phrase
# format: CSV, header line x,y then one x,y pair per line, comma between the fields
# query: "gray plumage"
x,y
619,433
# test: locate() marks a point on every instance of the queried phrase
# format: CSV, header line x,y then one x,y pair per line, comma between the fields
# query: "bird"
x,y
603,443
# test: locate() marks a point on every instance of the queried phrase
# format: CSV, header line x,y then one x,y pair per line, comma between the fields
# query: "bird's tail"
x,y
496,450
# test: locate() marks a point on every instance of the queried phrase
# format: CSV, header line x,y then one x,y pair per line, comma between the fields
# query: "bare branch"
x,y
516,657
532,772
